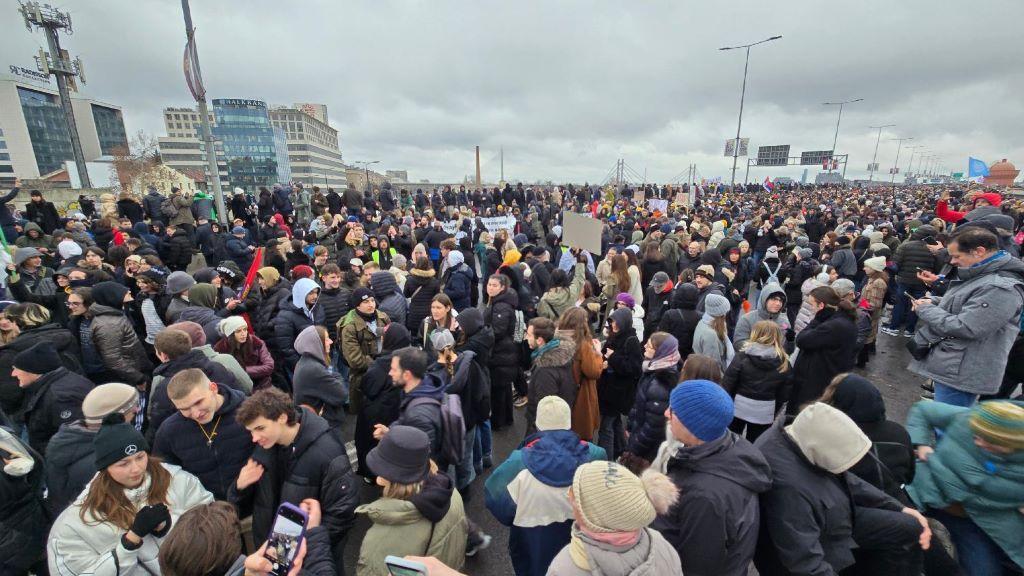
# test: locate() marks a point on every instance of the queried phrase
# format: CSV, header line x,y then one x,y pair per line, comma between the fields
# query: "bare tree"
x,y
138,163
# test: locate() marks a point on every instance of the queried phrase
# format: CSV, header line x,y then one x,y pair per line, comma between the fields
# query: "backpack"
x,y
453,426
167,208
519,328
773,275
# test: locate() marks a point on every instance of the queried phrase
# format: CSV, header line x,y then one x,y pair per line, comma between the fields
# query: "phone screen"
x,y
285,538
401,567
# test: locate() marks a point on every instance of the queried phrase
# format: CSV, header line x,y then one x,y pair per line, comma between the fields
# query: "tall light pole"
x,y
874,156
839,119
194,78
743,93
896,164
913,150
920,163
366,171
58,63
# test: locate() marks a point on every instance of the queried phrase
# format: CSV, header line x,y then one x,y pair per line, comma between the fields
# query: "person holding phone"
x,y
911,258
118,523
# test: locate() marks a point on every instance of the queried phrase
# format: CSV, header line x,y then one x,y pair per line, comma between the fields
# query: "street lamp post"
x,y
743,93
874,157
910,165
896,164
839,119
366,171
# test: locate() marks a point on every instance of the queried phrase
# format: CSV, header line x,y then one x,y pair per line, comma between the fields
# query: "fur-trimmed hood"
x,y
558,356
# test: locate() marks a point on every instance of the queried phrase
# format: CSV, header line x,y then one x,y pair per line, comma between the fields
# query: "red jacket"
x,y
952,216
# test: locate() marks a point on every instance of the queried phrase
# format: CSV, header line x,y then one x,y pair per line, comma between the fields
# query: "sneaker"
x,y
928,386
521,401
927,396
908,334
477,541
889,331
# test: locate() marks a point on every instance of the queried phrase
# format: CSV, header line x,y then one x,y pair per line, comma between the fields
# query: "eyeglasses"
x,y
74,304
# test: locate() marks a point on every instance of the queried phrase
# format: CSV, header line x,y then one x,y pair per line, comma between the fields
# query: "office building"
x,y
313,152
34,137
251,152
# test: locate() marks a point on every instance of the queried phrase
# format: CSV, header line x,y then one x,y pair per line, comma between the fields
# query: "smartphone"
x,y
285,538
402,567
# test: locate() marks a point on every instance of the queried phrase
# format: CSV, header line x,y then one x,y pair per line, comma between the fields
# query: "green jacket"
x,y
555,302
399,530
990,487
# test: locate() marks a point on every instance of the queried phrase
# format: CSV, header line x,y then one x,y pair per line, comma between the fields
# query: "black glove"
x,y
148,518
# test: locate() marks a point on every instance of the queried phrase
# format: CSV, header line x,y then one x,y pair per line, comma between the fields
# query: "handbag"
x,y
917,351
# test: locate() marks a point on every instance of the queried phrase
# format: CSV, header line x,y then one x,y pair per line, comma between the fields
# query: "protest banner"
x,y
490,224
638,196
657,204
581,231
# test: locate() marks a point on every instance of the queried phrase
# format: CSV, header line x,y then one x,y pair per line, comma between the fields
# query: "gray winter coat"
x,y
714,525
745,325
652,555
706,342
973,326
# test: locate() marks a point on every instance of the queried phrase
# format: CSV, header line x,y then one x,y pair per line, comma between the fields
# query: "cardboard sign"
x,y
638,196
657,204
581,231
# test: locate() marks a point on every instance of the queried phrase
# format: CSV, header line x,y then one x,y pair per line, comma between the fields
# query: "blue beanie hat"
x,y
704,407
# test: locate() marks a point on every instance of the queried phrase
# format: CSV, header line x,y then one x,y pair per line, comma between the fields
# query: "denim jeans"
x,y
611,435
482,446
901,311
976,553
950,395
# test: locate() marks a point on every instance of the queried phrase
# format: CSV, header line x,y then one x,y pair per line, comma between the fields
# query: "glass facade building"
x,y
255,153
109,129
47,129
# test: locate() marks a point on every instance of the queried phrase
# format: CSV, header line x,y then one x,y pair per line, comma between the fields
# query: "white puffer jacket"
x,y
77,548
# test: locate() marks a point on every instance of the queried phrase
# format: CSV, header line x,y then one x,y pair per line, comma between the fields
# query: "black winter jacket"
x,y
714,524
755,374
616,389
160,406
472,383
178,251
380,397
551,375
807,515
70,465
319,386
268,306
426,415
334,303
53,400
500,315
215,462
23,520
910,256
646,424
11,395
287,325
315,466
827,348
420,287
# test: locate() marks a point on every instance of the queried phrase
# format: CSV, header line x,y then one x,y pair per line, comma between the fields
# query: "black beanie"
x,y
38,359
116,440
109,294
358,296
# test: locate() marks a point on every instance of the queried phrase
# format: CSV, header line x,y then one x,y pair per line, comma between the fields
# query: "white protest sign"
x,y
656,204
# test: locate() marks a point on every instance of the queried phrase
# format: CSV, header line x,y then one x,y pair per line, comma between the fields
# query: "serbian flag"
x,y
767,185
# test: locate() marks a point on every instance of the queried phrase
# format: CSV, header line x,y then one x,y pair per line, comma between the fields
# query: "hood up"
x,y
301,289
828,438
768,291
859,399
309,342
553,456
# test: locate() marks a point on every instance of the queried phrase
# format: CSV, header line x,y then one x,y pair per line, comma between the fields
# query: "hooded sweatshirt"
x,y
528,492
745,325
315,382
301,289
828,438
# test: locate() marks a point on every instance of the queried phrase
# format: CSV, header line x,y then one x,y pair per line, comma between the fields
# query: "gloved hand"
x,y
149,517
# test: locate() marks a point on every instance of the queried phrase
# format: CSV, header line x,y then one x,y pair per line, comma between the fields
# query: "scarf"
x,y
371,317
578,550
549,346
670,361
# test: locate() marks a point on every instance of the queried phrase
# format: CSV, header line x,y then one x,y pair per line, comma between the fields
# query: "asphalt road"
x,y
887,370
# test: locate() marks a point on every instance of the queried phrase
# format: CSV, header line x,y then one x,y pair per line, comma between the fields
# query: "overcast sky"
x,y
568,87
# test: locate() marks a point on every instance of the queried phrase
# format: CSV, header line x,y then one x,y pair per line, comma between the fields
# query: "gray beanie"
x,y
716,305
843,286
22,254
179,282
805,253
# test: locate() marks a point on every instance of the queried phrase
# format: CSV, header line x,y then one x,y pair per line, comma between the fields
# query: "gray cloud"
x,y
568,87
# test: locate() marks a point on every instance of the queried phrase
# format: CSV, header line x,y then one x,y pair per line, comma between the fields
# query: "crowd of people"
x,y
690,394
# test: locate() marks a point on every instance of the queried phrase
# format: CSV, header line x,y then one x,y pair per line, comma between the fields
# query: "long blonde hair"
x,y
768,333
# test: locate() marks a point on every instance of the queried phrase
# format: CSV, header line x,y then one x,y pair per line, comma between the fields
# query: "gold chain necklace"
x,y
213,433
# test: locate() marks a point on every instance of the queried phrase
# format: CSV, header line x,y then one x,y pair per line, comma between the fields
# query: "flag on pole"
x,y
767,185
250,280
976,168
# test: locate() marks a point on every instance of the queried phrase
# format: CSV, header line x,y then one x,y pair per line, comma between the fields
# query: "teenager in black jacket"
x,y
616,390
758,380
681,321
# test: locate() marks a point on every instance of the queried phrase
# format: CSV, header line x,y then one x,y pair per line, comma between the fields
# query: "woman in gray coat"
x,y
711,338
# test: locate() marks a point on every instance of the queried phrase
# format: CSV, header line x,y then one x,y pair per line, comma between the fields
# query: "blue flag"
x,y
976,168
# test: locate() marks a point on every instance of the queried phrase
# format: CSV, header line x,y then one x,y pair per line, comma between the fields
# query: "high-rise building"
x,y
34,137
313,151
251,151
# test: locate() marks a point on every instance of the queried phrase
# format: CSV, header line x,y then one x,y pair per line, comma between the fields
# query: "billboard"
x,y
773,155
730,147
873,167
815,157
